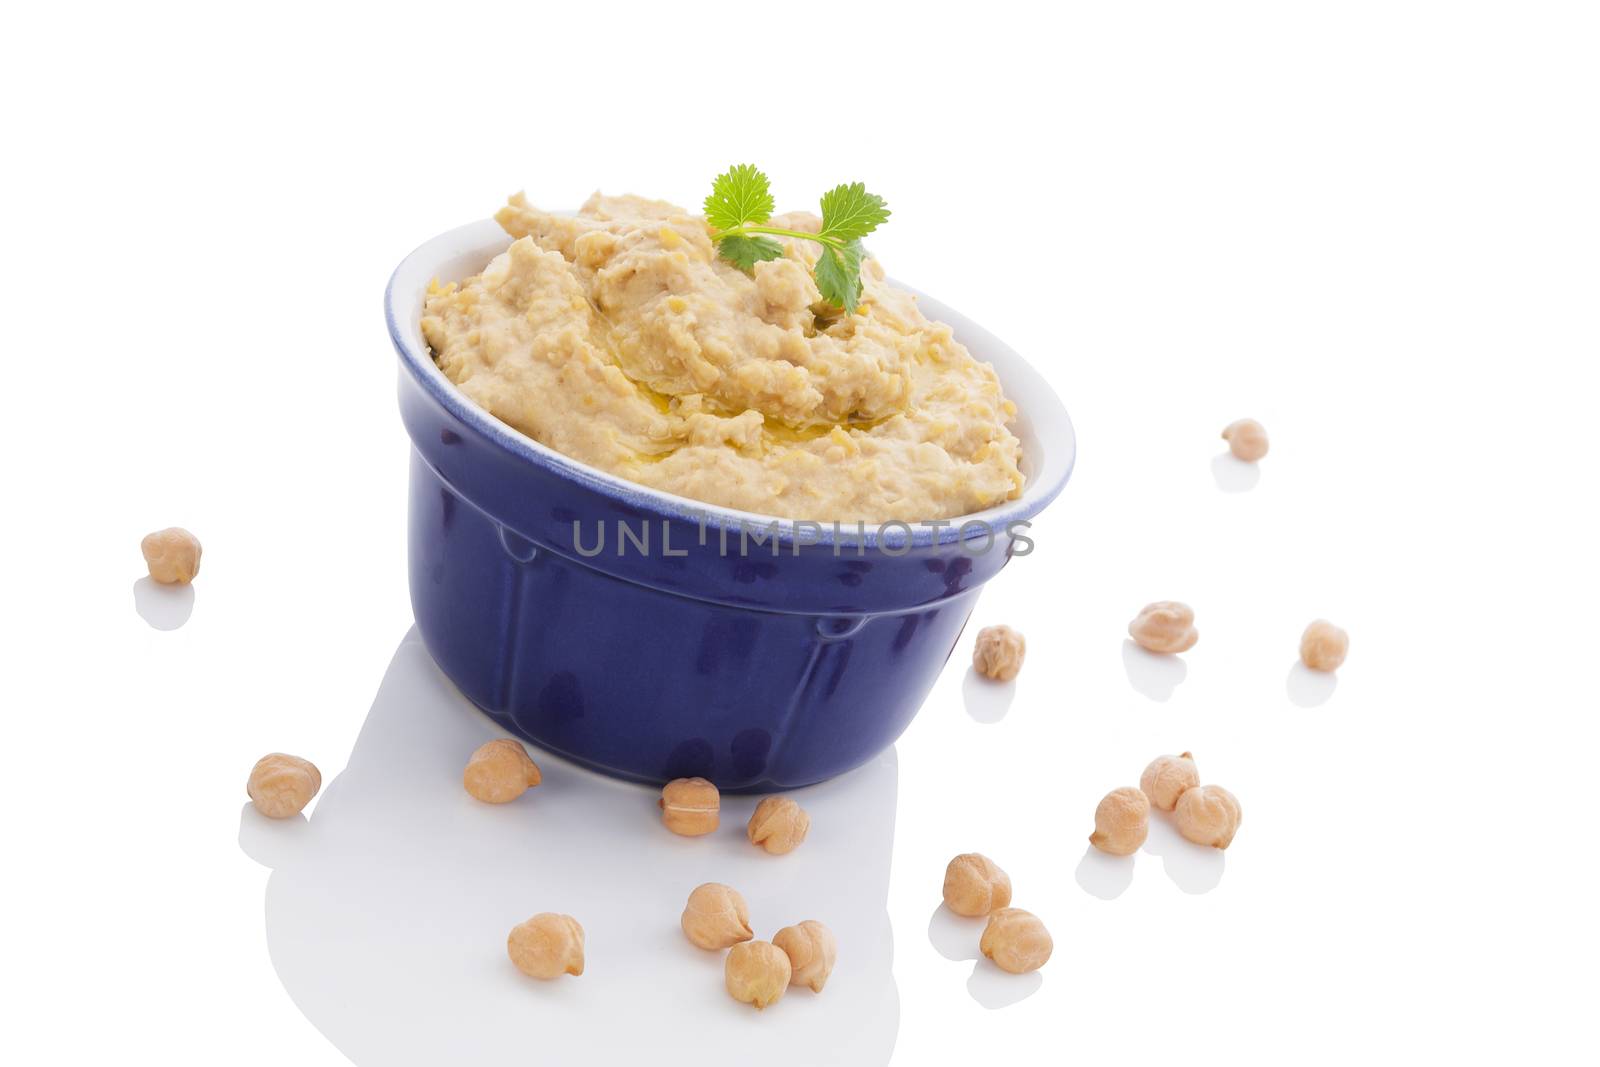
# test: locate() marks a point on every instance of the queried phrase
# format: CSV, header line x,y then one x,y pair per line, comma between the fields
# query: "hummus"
x,y
619,338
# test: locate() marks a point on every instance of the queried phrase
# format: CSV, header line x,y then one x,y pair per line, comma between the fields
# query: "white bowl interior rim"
x,y
1049,448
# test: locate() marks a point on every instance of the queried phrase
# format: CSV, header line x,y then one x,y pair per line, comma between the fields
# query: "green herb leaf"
x,y
740,205
839,275
849,212
746,252
740,195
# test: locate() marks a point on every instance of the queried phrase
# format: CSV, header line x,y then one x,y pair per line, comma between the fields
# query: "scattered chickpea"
x,y
1016,941
281,786
1121,822
1167,777
811,949
1323,646
757,972
716,916
778,825
998,653
1208,815
500,771
1247,439
690,806
1165,626
975,885
547,946
173,555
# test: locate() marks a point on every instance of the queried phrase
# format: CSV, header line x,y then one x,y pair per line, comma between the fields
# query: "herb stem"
x,y
747,230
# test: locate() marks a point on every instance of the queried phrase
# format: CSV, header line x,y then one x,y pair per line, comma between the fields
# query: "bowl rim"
x,y
1036,400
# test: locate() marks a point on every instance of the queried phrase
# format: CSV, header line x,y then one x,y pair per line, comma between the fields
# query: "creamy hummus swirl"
x,y
617,337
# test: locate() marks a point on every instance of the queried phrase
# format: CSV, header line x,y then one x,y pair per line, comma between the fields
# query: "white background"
x,y
1373,226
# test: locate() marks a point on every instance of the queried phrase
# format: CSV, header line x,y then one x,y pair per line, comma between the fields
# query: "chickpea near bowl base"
x,y
619,337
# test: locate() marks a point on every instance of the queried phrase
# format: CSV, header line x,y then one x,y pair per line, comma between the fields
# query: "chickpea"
x,y
281,785
1208,815
998,653
1247,439
1121,822
547,946
778,825
1016,941
1167,777
173,555
757,972
1165,626
690,806
1323,646
500,771
975,885
811,949
716,916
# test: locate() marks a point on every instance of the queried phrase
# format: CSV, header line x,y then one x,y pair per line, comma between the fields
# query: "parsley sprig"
x,y
741,203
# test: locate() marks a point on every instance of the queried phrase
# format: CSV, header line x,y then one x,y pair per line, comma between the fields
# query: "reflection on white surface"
x,y
271,842
987,700
1193,868
387,910
955,937
1234,475
1103,876
994,988
1307,687
166,607
1155,674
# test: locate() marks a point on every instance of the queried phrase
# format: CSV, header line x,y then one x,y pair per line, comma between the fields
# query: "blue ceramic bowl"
x,y
760,653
